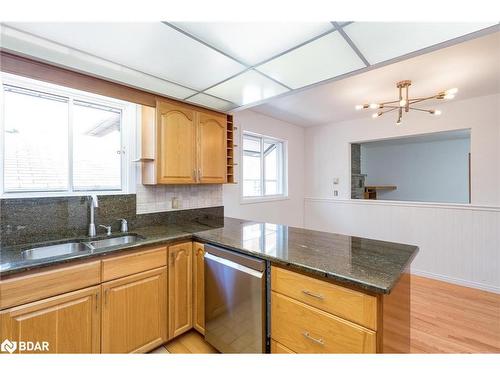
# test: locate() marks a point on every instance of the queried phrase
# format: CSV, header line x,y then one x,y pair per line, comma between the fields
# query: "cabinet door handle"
x,y
97,302
106,297
319,341
307,292
199,174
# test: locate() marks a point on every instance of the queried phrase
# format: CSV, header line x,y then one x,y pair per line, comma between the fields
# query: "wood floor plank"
x,y
449,318
190,342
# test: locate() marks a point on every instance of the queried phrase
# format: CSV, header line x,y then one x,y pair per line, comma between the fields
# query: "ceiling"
x,y
471,66
229,66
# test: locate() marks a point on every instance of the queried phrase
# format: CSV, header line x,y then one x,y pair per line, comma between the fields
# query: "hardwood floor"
x,y
448,318
445,318
190,342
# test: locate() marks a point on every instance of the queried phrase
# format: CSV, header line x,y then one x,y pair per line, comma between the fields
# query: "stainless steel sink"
x,y
115,241
55,250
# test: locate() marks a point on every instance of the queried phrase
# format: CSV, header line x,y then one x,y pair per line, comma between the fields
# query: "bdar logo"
x,y
8,346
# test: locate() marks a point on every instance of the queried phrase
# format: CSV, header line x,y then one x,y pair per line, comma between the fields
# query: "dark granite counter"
x,y
368,264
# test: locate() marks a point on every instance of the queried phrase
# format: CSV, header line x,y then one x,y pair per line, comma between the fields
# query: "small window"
x,y
263,167
58,141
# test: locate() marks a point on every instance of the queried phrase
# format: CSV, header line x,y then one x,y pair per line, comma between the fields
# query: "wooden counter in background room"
x,y
371,190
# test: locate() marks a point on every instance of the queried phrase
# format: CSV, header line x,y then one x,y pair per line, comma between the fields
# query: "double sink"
x,y
76,247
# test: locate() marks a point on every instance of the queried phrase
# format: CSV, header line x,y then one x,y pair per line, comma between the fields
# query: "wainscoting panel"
x,y
458,243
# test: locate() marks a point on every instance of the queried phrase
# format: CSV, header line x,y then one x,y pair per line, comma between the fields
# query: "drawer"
x,y
277,348
305,329
128,264
346,303
34,286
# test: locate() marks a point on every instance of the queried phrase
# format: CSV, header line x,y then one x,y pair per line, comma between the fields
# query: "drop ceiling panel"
x,y
153,48
247,88
380,41
41,49
211,102
254,42
324,58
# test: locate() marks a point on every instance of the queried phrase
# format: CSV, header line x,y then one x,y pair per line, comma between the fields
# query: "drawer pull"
x,y
307,335
318,296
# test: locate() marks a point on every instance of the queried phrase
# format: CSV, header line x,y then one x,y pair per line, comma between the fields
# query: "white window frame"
x,y
127,134
283,175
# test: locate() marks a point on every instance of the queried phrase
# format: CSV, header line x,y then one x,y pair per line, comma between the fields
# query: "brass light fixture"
x,y
404,103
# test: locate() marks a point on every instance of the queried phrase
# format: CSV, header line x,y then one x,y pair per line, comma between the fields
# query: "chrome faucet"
x,y
94,203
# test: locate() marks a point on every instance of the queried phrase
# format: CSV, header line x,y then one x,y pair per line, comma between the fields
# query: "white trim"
x,y
453,280
127,136
273,198
453,206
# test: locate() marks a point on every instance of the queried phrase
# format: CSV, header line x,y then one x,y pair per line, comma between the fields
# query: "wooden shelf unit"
x,y
230,150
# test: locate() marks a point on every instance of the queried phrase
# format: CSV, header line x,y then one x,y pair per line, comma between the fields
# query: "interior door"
x,y
180,297
134,318
69,323
212,148
176,144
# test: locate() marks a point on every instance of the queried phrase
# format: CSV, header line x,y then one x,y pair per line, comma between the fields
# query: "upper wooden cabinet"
x,y
183,145
180,297
212,148
68,323
176,144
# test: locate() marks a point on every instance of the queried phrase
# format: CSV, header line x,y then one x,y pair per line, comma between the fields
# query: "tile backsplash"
x,y
159,198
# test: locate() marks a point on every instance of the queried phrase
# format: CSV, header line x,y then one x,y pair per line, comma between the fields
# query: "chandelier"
x,y
404,103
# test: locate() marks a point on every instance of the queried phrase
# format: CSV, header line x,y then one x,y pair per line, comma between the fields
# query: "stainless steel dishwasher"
x,y
235,301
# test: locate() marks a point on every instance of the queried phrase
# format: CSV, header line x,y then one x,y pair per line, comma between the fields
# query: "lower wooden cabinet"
x,y
199,287
134,312
180,289
277,348
69,323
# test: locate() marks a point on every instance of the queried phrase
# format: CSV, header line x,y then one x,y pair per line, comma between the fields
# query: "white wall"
x,y
328,153
457,243
289,211
425,171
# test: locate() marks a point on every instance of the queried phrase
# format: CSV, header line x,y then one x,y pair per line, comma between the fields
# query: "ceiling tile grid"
x,y
226,65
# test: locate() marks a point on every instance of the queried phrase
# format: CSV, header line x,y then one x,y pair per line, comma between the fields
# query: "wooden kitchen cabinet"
x,y
176,144
184,144
199,287
134,312
180,292
69,323
212,148
311,315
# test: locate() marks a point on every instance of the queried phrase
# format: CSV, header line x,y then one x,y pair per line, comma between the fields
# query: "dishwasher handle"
x,y
234,265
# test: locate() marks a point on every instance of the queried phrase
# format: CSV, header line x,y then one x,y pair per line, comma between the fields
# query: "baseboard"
x,y
453,280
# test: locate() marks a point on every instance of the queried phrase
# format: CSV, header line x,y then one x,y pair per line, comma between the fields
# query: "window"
x,y
432,167
263,167
59,140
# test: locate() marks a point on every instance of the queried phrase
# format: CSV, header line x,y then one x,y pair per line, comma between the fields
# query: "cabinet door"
x,y
69,323
212,148
134,318
199,287
180,293
176,144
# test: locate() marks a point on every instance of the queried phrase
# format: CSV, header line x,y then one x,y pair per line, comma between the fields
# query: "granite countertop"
x,y
368,264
